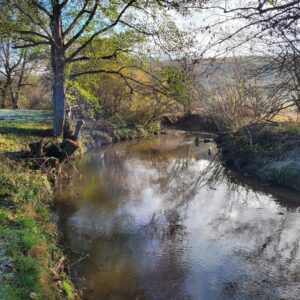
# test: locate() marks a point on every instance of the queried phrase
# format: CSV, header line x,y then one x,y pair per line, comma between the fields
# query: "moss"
x,y
68,289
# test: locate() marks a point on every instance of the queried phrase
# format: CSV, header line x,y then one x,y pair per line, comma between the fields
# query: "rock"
x,y
33,295
209,151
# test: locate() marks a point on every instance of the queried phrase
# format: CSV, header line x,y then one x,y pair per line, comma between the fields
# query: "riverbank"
x,y
31,263
269,152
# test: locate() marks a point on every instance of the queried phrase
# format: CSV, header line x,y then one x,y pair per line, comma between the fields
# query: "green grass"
x,y
16,135
28,250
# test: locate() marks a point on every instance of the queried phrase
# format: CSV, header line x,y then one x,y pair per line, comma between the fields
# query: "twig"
x,y
79,260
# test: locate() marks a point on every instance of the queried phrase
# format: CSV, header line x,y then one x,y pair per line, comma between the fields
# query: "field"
x,y
26,115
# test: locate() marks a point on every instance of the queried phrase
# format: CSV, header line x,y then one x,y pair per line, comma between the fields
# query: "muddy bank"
x,y
270,153
105,133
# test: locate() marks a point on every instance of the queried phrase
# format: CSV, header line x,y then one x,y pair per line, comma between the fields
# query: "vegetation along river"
x,y
162,219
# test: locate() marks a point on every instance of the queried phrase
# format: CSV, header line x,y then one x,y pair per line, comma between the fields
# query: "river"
x,y
162,219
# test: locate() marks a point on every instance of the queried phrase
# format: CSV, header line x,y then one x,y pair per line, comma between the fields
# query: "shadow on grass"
x,y
23,131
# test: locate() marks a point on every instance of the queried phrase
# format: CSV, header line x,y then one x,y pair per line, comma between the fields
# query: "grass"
x,y
16,135
28,252
288,115
274,155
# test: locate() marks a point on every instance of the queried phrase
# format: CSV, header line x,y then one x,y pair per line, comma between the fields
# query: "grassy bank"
x,y
31,264
269,152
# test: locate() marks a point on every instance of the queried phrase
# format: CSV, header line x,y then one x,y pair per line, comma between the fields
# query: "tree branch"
x,y
64,3
84,26
137,29
75,20
119,73
32,45
114,23
33,33
40,7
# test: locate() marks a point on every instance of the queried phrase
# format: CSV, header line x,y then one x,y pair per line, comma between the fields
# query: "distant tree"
x,y
16,66
181,85
266,28
239,99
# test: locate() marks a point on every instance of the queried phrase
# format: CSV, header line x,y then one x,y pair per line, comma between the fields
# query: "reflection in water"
x,y
161,219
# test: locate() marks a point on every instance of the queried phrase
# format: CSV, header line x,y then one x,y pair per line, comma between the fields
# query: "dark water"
x,y
161,219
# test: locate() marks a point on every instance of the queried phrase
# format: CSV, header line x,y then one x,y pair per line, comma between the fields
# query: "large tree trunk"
x,y
57,60
13,96
58,102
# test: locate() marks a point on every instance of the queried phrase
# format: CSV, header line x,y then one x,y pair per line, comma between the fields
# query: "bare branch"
x,y
41,7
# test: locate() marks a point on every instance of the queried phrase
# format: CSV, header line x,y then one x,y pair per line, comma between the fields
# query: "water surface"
x,y
162,219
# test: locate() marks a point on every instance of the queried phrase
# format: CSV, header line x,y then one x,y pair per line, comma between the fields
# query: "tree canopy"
x,y
74,29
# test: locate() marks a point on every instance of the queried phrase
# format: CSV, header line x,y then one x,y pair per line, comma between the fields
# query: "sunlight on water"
x,y
161,219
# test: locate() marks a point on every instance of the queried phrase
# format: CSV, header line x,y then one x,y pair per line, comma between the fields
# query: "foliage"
x,y
104,96
67,287
180,86
286,173
16,68
37,94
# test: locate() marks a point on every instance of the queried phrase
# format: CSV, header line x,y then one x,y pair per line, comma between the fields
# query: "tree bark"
x,y
57,59
3,95
16,95
58,102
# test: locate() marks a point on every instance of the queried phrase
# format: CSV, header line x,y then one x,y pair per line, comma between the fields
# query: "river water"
x,y
163,219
